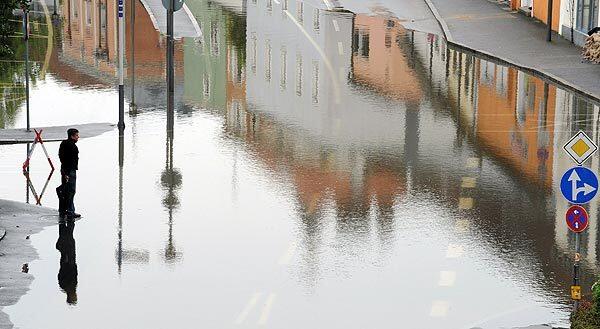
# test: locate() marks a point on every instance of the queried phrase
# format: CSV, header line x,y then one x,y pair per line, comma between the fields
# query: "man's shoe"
x,y
73,216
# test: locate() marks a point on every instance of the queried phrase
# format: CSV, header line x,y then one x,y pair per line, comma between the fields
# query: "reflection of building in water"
x,y
521,123
89,48
205,61
379,63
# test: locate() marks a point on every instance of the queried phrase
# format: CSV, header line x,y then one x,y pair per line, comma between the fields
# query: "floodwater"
x,y
325,170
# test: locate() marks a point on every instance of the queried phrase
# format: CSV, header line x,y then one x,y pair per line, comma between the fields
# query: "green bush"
x,y
588,314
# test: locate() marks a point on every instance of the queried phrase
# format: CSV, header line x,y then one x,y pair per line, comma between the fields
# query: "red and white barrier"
x,y
37,139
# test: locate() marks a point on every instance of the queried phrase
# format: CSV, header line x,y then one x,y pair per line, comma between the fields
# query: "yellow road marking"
x,y
439,308
336,26
462,225
465,203
264,317
468,182
472,162
287,257
455,251
447,278
248,308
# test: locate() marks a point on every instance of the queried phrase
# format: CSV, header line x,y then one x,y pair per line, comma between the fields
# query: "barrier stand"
x,y
37,139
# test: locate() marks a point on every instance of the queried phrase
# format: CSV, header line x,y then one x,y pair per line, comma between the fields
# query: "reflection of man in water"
x,y
67,275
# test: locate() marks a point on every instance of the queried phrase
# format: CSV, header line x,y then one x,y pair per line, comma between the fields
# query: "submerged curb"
x,y
2,233
508,62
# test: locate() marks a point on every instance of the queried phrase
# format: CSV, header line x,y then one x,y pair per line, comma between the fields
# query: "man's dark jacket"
x,y
69,155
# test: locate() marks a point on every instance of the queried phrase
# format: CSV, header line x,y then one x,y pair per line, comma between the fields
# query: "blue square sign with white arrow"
x,y
579,185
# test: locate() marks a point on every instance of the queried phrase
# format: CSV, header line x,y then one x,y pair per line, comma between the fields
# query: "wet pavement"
x,y
325,169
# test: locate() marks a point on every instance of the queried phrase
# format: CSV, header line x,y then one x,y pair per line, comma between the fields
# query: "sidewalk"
x,y
485,27
20,221
53,134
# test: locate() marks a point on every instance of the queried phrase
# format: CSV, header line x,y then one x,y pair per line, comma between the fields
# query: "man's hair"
x,y
72,132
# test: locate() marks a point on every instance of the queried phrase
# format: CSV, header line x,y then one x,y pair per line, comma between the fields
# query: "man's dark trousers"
x,y
67,189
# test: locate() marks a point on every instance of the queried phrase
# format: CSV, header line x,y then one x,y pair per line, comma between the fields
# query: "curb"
x,y
571,87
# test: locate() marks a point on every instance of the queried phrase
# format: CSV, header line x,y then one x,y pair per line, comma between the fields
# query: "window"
x,y
283,80
587,13
299,75
268,61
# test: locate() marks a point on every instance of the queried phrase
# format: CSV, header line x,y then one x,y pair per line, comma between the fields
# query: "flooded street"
x,y
325,170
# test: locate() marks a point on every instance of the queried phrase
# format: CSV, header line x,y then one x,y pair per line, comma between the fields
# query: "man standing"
x,y
69,160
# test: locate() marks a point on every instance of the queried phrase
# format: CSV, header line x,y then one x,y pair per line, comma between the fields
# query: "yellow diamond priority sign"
x,y
580,147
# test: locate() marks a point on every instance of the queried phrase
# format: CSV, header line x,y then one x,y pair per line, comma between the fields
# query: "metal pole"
x,y
120,210
26,38
26,183
549,21
170,68
576,269
121,11
132,106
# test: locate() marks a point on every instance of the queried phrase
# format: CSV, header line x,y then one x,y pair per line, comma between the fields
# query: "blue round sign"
x,y
579,185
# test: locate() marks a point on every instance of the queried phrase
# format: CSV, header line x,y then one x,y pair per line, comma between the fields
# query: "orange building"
x,y
539,10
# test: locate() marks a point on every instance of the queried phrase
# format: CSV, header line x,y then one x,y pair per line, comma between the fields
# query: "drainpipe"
x,y
549,21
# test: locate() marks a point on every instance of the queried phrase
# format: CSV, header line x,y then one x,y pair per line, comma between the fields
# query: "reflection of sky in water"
x,y
425,190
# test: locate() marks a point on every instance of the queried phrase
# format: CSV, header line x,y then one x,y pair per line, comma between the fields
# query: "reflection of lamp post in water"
x,y
126,255
171,180
120,211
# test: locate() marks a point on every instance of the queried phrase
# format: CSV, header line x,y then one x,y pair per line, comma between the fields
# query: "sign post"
x,y
120,14
579,186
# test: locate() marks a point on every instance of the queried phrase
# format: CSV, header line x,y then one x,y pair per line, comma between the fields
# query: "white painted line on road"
x,y
465,203
447,278
462,225
468,182
341,48
472,162
455,251
266,310
287,257
328,4
336,26
248,308
439,308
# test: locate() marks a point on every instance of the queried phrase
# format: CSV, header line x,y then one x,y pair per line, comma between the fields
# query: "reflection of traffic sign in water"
x,y
577,219
177,4
579,185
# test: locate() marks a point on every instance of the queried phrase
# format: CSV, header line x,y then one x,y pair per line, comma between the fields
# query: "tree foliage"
x,y
7,26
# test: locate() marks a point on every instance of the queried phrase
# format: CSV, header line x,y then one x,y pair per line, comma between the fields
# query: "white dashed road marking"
x,y
264,317
251,303
455,251
447,278
439,308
